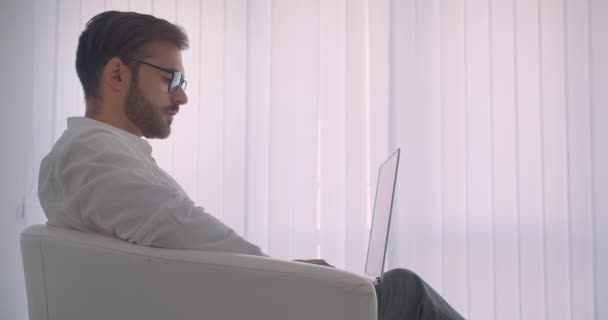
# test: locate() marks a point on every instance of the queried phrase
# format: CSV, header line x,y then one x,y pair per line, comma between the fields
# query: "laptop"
x,y
381,218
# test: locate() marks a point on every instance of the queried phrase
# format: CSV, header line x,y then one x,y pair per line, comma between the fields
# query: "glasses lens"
x,y
175,80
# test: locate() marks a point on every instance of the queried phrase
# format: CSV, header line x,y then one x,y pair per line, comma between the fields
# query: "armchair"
x,y
74,275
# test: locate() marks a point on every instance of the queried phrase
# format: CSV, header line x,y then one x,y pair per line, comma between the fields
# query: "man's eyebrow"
x,y
172,69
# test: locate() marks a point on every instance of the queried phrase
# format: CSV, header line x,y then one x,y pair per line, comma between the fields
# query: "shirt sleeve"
x,y
119,193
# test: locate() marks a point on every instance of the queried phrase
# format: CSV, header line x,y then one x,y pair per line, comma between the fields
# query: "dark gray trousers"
x,y
403,295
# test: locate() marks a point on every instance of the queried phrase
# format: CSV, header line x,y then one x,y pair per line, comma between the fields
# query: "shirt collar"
x,y
83,123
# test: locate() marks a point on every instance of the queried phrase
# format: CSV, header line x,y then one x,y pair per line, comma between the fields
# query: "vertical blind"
x,y
499,107
491,101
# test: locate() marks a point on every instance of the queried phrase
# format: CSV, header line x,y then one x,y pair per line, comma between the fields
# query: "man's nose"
x,y
180,97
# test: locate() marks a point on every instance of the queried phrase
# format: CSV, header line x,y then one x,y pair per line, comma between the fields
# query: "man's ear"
x,y
116,75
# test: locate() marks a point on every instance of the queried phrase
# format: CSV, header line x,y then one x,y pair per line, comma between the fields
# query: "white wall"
x,y
18,167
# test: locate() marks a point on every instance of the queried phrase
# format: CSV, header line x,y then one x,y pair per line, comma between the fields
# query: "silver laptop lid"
x,y
381,218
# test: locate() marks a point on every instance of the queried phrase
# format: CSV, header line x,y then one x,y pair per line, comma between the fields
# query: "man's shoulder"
x,y
80,143
95,138
97,135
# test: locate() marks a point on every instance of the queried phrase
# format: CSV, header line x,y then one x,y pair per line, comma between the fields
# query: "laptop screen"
x,y
387,178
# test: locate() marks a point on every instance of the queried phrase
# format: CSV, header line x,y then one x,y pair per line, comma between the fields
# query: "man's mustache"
x,y
173,108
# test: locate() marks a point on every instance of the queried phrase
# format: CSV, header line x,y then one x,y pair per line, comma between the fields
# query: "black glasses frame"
x,y
174,75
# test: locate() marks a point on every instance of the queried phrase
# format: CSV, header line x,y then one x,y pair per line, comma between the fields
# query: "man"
x,y
100,176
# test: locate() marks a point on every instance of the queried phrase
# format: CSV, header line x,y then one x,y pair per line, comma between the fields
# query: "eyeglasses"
x,y
177,78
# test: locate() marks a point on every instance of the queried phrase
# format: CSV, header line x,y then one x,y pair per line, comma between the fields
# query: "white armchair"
x,y
74,275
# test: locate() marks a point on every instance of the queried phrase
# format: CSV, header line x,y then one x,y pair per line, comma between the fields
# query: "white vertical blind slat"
x,y
185,127
506,258
531,228
400,92
379,75
40,58
356,126
332,111
45,20
233,192
304,156
479,135
281,120
381,143
258,123
598,279
428,135
212,104
380,139
67,83
453,157
304,141
579,118
553,112
294,126
300,42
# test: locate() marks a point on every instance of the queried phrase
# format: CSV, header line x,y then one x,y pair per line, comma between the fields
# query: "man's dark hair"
x,y
119,34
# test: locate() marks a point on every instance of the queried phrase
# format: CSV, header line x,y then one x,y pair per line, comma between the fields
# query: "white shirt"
x,y
98,178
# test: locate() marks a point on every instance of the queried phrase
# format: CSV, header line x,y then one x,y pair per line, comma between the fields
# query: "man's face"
x,y
148,104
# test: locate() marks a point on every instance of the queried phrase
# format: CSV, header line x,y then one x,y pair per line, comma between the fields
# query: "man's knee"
x,y
405,279
402,275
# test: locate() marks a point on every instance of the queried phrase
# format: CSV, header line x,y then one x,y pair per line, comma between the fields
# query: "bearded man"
x,y
100,176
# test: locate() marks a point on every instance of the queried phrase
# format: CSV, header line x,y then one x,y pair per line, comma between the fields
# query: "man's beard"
x,y
145,115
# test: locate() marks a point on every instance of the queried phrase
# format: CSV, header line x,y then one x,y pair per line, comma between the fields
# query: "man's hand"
x,y
319,262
